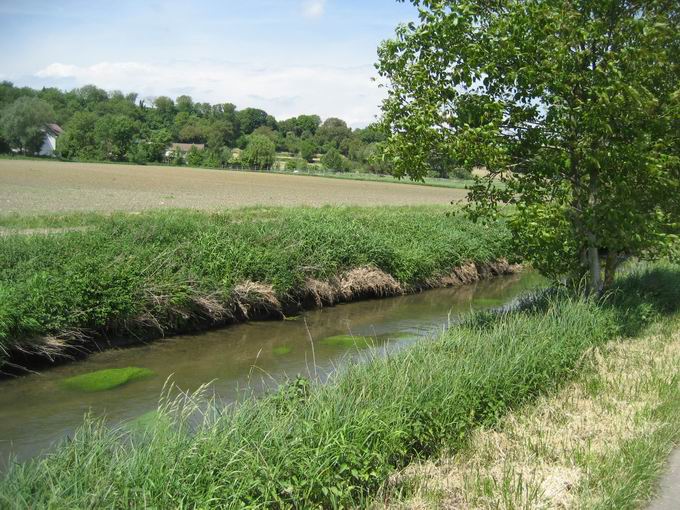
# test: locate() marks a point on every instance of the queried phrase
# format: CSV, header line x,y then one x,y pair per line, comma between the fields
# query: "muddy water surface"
x,y
36,411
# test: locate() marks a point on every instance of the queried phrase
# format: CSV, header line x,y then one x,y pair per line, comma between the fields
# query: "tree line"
x,y
113,126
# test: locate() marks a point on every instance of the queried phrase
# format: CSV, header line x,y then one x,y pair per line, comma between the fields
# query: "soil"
x,y
56,186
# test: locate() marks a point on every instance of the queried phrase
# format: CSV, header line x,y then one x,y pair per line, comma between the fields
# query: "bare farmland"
x,y
45,186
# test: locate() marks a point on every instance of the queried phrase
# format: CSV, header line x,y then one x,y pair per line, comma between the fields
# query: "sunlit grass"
x,y
312,445
165,271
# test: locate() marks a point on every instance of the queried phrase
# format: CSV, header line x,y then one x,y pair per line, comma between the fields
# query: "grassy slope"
x,y
335,444
600,442
168,270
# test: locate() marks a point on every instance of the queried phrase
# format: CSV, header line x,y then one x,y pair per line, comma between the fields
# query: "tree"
x,y
157,143
192,129
23,122
307,150
90,96
300,124
259,153
194,156
78,141
250,119
332,132
333,160
184,104
572,105
113,135
165,109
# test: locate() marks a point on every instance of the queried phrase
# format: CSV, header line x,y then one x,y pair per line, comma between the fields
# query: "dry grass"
x,y
320,292
50,186
367,282
249,296
543,457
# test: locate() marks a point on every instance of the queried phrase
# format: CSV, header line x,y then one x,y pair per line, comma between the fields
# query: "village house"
x,y
183,148
52,132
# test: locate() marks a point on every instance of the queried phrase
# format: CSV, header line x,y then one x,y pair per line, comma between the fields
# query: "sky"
x,y
288,57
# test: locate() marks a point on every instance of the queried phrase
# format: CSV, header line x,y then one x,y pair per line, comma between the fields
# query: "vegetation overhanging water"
x,y
40,409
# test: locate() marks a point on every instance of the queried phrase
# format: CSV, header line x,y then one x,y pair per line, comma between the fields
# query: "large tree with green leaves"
x,y
23,122
259,153
571,105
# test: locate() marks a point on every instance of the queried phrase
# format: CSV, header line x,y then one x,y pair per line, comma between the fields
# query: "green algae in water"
x,y
281,350
399,334
489,301
103,380
347,341
149,421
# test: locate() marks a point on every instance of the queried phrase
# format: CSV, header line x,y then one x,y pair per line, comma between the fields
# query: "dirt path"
x,y
669,488
42,186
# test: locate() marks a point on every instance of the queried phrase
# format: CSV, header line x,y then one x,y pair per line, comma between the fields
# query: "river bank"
x,y
602,441
336,444
93,279
251,358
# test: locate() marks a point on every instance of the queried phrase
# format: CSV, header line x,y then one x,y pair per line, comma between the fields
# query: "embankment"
x,y
334,445
70,282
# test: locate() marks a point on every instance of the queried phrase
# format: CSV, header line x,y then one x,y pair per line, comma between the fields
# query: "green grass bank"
x,y
65,280
334,445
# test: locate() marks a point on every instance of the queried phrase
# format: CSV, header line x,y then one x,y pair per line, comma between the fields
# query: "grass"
x,y
160,272
335,445
600,442
357,176
103,380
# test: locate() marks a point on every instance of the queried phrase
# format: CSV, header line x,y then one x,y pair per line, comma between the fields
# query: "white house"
x,y
52,132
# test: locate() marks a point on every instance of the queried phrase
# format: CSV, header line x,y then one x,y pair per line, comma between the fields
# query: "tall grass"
x,y
166,271
331,445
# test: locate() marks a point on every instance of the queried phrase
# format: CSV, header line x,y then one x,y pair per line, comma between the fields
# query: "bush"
x,y
194,157
333,160
296,164
138,154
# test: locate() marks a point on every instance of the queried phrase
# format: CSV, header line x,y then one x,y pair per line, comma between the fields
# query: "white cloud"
x,y
284,91
313,8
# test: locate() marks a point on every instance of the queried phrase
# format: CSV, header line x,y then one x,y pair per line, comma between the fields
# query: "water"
x,y
36,411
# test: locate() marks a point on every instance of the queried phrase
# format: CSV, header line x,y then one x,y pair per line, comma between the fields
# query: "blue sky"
x,y
286,56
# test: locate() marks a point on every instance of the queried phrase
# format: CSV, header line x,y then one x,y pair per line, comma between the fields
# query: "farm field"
x,y
48,186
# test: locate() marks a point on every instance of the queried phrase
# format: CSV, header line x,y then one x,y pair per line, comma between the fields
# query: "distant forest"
x,y
101,125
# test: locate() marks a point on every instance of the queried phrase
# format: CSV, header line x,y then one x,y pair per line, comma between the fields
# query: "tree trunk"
x,y
596,283
611,265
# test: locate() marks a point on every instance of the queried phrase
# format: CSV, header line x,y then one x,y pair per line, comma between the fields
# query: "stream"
x,y
37,410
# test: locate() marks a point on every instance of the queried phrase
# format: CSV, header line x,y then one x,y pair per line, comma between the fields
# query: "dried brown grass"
x,y
367,282
471,273
249,296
